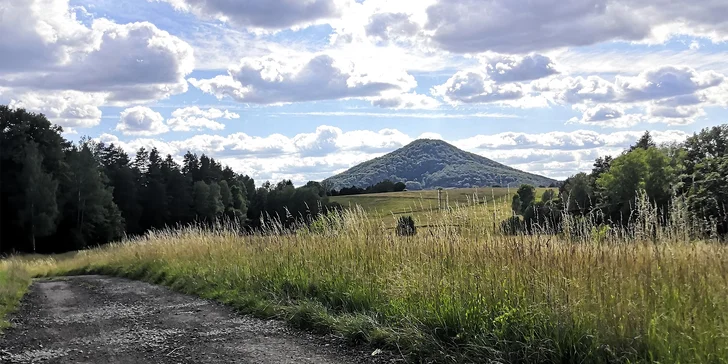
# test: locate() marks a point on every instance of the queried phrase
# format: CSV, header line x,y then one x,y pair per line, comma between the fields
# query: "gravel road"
x,y
98,319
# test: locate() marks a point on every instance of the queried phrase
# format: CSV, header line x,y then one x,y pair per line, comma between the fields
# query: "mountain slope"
x,y
434,163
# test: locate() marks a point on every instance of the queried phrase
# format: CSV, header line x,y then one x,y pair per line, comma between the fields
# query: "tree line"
x,y
693,172
381,187
58,196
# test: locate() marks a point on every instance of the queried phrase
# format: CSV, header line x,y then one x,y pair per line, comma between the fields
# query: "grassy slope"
x,y
14,281
456,293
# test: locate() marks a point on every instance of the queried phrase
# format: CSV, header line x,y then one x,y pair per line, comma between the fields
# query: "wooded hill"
x,y
427,163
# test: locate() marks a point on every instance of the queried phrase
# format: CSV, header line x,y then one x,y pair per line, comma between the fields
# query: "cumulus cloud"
x,y
69,109
268,14
275,79
141,120
406,101
668,94
467,87
55,64
508,68
130,62
194,118
391,26
472,26
607,116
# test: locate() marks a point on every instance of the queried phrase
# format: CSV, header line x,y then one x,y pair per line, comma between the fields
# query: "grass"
x,y
14,281
389,206
459,292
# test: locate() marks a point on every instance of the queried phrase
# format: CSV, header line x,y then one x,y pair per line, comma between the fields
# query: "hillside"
x,y
434,163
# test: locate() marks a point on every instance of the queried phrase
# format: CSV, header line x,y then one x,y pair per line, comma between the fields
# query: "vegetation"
x,y
14,281
626,264
462,291
56,196
381,187
428,164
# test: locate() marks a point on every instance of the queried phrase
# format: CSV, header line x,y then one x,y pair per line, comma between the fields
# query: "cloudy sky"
x,y
304,89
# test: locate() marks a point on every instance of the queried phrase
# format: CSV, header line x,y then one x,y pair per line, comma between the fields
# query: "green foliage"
x,y
40,208
646,170
548,195
406,226
578,194
512,226
433,163
526,195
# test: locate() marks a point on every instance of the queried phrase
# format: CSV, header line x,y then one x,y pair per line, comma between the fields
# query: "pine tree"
x,y
39,201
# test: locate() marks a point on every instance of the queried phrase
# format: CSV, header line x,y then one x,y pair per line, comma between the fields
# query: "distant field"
x,y
388,206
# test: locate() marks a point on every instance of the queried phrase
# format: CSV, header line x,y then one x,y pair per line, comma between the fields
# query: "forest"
x,y
57,196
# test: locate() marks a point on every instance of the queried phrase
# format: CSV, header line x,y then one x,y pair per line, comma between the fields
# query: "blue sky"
x,y
302,90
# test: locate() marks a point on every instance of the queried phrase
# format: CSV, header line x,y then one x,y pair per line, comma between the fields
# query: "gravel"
x,y
99,319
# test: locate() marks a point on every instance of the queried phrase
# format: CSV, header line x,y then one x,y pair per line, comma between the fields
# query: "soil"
x,y
99,319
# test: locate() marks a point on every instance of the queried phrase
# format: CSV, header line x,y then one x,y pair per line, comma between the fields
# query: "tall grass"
x,y
459,290
14,281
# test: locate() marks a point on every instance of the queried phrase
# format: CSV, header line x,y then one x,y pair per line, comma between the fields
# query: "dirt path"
x,y
97,319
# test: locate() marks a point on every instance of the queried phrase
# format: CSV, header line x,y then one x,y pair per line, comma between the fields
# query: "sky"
x,y
302,90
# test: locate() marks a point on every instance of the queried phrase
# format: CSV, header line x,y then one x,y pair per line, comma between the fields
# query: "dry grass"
x,y
458,291
14,281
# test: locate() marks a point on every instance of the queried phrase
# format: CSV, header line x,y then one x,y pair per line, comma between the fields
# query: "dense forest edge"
x,y
57,196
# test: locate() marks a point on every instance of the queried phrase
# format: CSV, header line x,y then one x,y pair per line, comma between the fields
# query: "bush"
x,y
406,226
512,226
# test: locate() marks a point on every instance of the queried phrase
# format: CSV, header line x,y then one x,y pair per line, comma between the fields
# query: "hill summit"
x,y
428,163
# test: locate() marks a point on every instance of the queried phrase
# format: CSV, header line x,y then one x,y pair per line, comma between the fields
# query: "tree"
x,y
215,207
527,196
399,186
646,170
547,196
39,200
578,194
90,214
645,142
200,193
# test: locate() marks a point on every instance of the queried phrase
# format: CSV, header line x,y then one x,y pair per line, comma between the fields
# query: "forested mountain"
x,y
427,163
57,196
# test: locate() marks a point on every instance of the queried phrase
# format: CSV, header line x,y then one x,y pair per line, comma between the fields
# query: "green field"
x,y
458,291
420,204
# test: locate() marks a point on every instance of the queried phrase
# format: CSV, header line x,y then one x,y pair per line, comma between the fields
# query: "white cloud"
x,y
194,118
669,94
69,109
55,64
472,26
607,115
277,79
467,87
141,120
507,68
406,101
268,14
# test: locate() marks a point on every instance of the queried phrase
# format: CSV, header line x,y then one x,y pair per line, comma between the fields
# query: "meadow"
x,y
421,204
458,291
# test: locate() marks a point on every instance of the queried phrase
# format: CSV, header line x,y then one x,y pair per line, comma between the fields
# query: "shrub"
x,y
512,226
406,226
